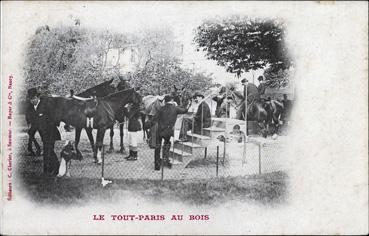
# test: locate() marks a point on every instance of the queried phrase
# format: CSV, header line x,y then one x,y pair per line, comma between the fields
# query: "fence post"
x,y
217,168
103,161
260,158
162,168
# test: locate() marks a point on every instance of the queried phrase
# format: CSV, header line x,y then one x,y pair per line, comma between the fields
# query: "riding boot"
x,y
133,156
166,149
129,156
157,161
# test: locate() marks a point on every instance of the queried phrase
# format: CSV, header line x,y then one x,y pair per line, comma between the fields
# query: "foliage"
x,y
159,76
243,44
63,58
277,79
159,66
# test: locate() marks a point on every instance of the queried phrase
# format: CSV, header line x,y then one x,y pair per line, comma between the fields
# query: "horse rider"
x,y
42,120
166,118
262,86
202,118
252,95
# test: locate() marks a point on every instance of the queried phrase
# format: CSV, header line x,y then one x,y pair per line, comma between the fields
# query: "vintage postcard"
x,y
185,118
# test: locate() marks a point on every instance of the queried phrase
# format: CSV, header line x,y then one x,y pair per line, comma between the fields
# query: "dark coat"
x,y
203,111
133,115
166,117
219,101
31,115
41,118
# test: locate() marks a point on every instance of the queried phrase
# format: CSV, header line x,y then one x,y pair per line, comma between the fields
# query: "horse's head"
x,y
185,97
136,98
222,90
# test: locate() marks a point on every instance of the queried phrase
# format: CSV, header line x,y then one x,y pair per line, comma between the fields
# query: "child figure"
x,y
235,143
237,135
134,125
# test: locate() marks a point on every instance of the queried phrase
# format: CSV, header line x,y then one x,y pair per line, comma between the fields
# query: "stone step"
x,y
213,131
199,139
180,165
178,154
252,126
189,147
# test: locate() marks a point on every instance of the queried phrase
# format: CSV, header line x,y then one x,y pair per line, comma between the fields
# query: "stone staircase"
x,y
182,153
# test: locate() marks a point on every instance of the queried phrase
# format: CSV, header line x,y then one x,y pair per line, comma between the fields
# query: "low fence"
x,y
215,161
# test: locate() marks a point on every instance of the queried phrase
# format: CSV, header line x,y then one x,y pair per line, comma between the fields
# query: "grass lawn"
x,y
268,189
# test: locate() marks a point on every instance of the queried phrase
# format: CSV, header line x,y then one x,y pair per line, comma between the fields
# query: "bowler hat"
x,y
244,81
32,92
198,94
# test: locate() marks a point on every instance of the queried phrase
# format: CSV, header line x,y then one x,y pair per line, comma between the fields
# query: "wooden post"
x,y
225,133
162,168
217,167
260,145
103,161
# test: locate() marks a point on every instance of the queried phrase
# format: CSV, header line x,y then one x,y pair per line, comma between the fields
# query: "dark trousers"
x,y
31,139
51,162
185,127
166,149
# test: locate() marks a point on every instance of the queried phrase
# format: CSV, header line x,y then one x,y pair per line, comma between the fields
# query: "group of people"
x,y
162,125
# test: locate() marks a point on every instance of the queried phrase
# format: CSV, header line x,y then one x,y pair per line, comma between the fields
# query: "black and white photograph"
x,y
184,117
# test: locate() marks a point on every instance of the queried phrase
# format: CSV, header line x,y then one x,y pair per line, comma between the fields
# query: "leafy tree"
x,y
158,77
242,44
63,58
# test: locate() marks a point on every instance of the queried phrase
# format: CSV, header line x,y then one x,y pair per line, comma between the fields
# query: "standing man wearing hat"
x,y
252,95
31,119
166,118
201,119
42,119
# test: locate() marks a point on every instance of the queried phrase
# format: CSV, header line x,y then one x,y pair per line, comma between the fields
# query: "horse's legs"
x,y
121,134
143,119
90,137
99,143
111,146
77,137
76,140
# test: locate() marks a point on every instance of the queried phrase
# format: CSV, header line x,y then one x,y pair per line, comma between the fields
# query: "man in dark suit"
x,y
166,118
31,122
202,118
42,119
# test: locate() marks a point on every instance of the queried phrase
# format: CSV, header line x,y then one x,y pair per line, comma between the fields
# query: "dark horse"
x,y
104,111
99,91
96,113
